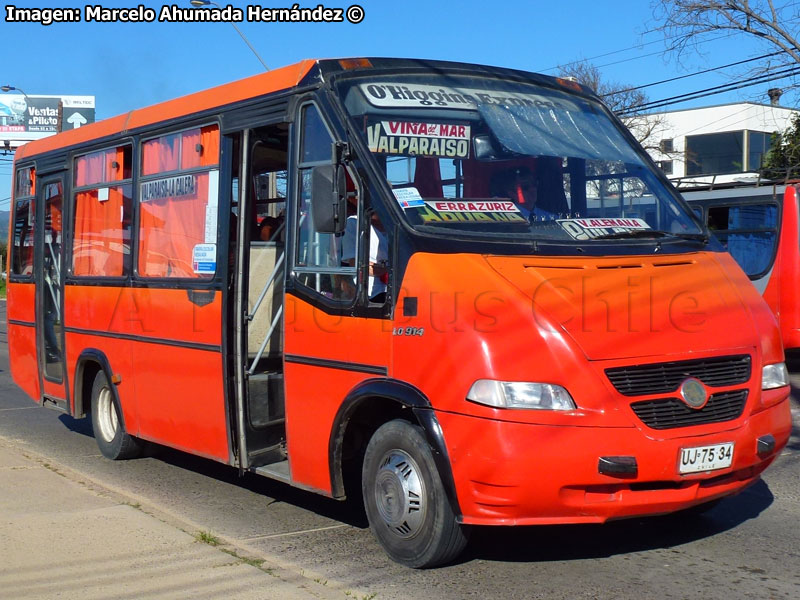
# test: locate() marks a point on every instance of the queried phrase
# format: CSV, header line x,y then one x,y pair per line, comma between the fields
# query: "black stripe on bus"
x,y
22,323
148,340
336,364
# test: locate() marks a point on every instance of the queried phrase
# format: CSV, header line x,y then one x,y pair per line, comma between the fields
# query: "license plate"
x,y
706,458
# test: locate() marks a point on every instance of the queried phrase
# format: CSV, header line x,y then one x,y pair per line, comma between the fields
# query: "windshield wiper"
x,y
633,233
652,233
695,237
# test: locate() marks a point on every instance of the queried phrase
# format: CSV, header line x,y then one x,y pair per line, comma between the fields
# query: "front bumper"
x,y
510,473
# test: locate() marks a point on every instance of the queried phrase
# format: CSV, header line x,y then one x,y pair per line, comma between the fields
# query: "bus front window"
x,y
493,158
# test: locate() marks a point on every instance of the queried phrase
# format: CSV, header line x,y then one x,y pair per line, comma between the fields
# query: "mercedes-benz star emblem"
x,y
694,393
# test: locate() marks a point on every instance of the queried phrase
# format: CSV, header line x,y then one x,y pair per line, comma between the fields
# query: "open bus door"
x,y
258,298
49,278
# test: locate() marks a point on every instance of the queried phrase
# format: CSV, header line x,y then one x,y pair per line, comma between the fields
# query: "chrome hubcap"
x,y
107,419
400,494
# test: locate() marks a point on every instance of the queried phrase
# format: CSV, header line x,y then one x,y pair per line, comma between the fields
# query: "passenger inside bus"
x,y
270,229
378,255
520,186
538,194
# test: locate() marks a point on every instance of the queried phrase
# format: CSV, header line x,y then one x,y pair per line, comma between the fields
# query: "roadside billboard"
x,y
25,118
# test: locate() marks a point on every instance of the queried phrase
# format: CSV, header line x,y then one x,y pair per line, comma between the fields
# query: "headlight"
x,y
520,394
774,376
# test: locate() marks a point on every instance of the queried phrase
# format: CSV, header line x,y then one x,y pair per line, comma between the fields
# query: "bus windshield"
x,y
493,158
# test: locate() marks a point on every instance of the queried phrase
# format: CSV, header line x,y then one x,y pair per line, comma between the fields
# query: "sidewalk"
x,y
62,537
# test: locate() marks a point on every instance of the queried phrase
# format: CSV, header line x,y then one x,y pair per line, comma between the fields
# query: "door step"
x,y
265,406
54,404
278,470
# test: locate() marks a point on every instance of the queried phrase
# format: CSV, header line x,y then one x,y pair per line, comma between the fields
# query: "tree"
x,y
621,99
624,100
688,22
783,159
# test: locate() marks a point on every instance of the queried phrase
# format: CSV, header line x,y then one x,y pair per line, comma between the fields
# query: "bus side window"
x,y
102,195
24,222
178,204
318,257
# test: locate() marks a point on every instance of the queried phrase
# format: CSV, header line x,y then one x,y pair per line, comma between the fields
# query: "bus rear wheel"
x,y
405,501
113,441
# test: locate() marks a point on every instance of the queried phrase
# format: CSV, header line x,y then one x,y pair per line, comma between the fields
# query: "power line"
x,y
738,112
728,87
636,47
733,64
624,60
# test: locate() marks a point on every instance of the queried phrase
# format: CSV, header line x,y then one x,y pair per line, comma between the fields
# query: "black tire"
x,y
405,501
109,431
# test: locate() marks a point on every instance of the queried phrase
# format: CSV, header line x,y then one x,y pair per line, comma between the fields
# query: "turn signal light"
x,y
349,64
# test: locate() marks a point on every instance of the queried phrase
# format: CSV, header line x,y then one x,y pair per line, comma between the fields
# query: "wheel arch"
x,y
90,362
377,401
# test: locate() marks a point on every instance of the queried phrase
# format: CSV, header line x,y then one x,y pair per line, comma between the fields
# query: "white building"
x,y
716,144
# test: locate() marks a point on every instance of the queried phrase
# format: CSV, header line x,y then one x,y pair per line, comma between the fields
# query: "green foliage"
x,y
207,538
783,160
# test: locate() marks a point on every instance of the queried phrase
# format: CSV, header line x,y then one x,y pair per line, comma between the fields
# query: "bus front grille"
x,y
661,378
671,413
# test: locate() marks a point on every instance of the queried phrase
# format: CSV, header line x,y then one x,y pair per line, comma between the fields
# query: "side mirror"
x,y
329,198
484,148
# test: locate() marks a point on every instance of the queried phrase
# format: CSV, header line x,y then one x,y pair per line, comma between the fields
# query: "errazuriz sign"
x,y
25,118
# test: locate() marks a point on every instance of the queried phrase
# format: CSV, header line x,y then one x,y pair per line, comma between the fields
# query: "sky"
x,y
131,65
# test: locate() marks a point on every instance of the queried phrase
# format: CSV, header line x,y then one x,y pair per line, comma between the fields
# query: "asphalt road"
x,y
746,547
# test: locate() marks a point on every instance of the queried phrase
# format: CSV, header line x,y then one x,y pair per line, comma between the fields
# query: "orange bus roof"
x,y
250,87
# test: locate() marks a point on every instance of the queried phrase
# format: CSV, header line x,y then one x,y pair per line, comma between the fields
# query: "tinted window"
x,y
24,222
748,232
715,153
759,145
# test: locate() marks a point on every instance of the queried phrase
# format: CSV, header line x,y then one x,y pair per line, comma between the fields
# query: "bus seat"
x,y
427,178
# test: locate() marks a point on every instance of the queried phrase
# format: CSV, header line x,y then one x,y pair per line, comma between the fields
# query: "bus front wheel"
x,y
405,501
109,431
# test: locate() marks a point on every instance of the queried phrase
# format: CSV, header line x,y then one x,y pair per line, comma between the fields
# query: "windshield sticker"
x,y
423,139
204,258
430,215
415,95
408,197
474,206
441,130
587,229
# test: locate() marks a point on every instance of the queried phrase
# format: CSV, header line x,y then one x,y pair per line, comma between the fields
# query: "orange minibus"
x,y
462,292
